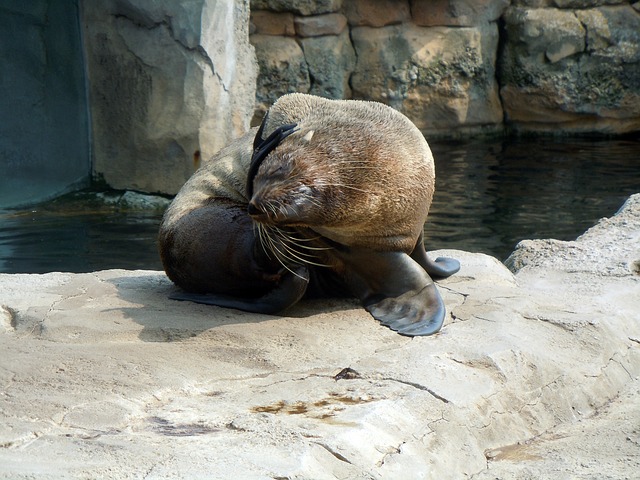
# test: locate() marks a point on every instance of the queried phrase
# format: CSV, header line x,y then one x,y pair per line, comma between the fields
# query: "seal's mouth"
x,y
272,213
257,213
265,212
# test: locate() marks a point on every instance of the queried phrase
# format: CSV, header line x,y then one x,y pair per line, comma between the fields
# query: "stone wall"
x,y
459,66
170,82
173,81
572,64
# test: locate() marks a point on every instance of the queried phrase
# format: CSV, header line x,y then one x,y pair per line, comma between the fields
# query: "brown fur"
x,y
206,239
350,189
358,173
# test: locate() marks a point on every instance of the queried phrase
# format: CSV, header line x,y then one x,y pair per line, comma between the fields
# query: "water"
x,y
490,195
79,233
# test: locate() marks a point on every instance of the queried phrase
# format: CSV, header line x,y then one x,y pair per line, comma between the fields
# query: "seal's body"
x,y
335,192
208,245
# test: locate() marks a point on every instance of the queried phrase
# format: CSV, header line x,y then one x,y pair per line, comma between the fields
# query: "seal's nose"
x,y
253,209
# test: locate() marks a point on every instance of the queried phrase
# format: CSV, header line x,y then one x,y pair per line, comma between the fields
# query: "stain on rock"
x,y
162,426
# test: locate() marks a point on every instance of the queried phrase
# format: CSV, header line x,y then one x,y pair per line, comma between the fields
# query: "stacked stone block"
x,y
305,50
572,65
459,66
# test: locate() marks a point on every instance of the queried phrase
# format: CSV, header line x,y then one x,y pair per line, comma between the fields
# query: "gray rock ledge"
x,y
534,375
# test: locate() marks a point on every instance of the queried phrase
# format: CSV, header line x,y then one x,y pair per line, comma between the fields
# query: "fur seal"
x,y
331,195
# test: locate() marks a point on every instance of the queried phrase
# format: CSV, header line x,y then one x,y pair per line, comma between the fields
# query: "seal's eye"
x,y
262,148
279,170
305,190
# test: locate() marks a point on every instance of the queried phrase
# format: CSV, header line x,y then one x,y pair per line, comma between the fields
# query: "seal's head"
x,y
294,186
356,173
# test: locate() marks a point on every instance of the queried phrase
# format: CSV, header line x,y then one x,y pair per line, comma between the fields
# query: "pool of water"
x,y
490,194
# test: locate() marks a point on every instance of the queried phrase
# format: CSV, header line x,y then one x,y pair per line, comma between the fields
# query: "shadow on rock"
x,y
146,294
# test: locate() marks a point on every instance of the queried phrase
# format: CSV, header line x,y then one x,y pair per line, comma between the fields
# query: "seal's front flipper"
x,y
286,293
442,267
396,291
411,314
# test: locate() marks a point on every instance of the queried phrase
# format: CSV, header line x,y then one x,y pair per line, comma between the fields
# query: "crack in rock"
x,y
336,454
390,452
198,50
419,387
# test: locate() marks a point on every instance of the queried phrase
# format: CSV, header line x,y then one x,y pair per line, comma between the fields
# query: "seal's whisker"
x,y
265,241
302,256
302,247
314,201
280,256
273,207
347,186
295,254
300,243
287,267
289,248
272,245
361,164
282,208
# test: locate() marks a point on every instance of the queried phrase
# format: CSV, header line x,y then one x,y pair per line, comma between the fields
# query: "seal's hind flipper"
x,y
396,291
288,292
442,267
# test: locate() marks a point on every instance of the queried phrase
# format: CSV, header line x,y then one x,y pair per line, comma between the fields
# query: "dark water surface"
x,y
490,195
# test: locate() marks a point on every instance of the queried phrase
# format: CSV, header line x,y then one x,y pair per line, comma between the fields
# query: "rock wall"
x,y
170,82
572,64
459,66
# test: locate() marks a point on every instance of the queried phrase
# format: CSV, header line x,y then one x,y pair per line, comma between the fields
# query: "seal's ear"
x,y
308,136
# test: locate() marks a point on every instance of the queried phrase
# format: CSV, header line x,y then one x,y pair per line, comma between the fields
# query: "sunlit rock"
x,y
161,76
441,78
105,376
578,70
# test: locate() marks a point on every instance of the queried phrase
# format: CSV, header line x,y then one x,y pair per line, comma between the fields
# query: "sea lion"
x,y
336,194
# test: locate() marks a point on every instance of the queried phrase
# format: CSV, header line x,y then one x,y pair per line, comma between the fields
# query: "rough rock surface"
x,y
283,70
578,70
535,373
562,65
162,75
441,78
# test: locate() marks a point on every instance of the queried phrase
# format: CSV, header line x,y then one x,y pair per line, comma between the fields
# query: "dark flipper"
x,y
262,148
442,267
396,291
411,314
289,291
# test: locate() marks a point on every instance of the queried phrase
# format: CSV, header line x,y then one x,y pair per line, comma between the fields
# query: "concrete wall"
x,y
171,82
44,134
